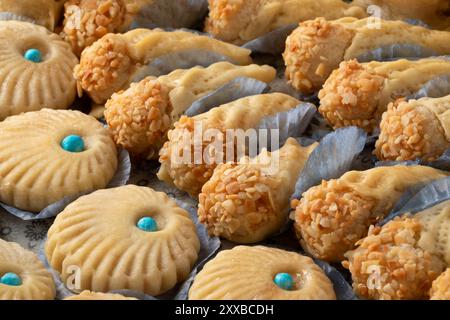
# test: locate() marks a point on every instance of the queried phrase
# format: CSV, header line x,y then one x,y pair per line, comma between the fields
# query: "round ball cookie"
x,y
261,273
129,237
22,275
35,69
89,295
49,154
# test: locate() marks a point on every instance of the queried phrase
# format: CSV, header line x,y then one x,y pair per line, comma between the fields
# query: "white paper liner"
x,y
178,60
208,247
435,88
420,198
234,90
332,158
273,42
7,16
173,14
119,179
442,163
397,51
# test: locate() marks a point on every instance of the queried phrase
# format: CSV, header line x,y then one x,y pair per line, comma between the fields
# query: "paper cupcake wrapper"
x,y
208,247
7,16
341,286
174,14
397,51
292,123
119,179
273,42
234,90
435,88
420,198
417,22
332,158
178,60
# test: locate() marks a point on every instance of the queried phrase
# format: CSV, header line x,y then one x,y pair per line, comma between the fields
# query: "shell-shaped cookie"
x,y
36,282
99,235
27,85
89,295
247,273
36,171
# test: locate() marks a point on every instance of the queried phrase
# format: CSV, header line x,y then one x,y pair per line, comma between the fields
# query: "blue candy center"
x,y
147,224
73,143
33,55
284,280
11,279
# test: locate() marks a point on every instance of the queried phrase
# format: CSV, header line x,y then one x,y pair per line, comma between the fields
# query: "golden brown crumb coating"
x,y
410,131
350,96
139,117
313,51
389,265
440,289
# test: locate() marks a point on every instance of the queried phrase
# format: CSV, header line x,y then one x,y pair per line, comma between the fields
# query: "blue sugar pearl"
x,y
284,281
33,55
73,143
147,224
11,279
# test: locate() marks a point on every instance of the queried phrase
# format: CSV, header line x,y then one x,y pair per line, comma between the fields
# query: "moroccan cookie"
x,y
35,69
261,273
50,154
441,287
22,275
124,238
89,295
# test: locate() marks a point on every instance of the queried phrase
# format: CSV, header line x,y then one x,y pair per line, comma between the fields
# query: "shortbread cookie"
x,y
332,217
317,47
50,154
22,275
440,289
357,94
35,69
248,201
390,264
124,238
177,155
89,295
114,61
46,13
415,129
140,116
261,273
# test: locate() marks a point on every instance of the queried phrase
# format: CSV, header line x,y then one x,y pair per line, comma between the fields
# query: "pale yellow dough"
x,y
29,86
36,172
441,287
247,273
37,282
98,234
89,295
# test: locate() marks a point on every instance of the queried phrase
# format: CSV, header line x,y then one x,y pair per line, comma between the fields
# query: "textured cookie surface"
x,y
29,86
98,233
36,171
37,282
89,295
247,273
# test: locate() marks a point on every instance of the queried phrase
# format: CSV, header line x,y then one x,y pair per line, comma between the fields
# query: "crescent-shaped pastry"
x,y
129,237
51,154
390,263
246,202
332,217
415,129
240,21
35,69
359,93
317,47
22,275
177,157
250,273
140,116
111,63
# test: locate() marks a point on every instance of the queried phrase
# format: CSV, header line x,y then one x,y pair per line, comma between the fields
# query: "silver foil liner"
x,y
332,158
234,90
420,198
120,178
397,51
435,88
208,248
7,16
273,42
170,14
